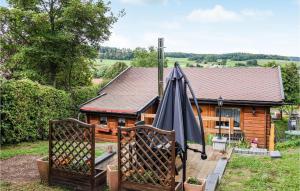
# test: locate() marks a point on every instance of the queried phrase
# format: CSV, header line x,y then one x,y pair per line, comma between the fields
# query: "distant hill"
x,y
127,54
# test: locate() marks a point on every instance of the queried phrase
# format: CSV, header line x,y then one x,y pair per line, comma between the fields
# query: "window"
x,y
121,122
103,121
229,112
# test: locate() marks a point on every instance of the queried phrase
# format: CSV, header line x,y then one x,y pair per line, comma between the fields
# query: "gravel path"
x,y
19,169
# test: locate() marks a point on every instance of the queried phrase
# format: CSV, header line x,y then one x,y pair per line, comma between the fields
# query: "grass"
x,y
30,148
184,61
110,62
247,173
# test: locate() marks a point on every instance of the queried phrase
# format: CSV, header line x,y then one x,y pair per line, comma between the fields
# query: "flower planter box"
x,y
112,177
195,187
43,167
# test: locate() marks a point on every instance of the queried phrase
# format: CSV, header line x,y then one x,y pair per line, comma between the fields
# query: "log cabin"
x,y
248,95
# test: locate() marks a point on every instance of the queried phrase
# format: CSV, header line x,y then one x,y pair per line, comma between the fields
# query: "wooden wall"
x,y
252,125
109,133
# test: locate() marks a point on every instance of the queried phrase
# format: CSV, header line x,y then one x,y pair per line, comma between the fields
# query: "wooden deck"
x,y
195,166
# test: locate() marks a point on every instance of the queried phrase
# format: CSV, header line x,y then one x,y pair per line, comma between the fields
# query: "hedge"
x,y
27,107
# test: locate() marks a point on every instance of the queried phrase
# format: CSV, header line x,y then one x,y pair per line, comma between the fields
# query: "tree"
x,y
251,63
54,41
290,80
115,69
146,58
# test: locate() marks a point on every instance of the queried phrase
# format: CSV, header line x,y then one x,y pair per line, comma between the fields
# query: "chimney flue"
x,y
161,58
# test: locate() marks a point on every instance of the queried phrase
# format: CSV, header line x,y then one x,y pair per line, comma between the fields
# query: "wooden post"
x,y
272,138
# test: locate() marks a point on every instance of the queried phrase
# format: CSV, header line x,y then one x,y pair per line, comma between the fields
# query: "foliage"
x,y
290,78
27,107
251,63
194,180
232,56
292,143
53,42
209,139
262,173
242,143
80,95
100,71
146,58
116,53
240,64
280,127
114,70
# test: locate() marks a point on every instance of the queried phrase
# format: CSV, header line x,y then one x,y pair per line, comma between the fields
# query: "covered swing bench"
x,y
72,159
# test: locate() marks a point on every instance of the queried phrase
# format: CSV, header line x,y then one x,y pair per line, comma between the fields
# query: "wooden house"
x,y
248,95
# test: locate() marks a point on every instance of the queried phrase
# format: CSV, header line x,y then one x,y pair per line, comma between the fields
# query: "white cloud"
x,y
117,40
139,2
257,13
217,14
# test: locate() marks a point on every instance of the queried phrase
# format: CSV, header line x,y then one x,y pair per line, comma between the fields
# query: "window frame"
x,y
103,125
121,118
227,127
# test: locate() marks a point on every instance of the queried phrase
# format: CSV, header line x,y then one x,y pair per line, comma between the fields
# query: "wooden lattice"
x,y
72,146
146,157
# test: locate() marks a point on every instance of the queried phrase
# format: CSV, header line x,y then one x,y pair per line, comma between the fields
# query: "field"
x,y
184,61
248,173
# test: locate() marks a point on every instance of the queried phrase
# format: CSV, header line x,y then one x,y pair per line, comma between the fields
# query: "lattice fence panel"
x,y
147,155
71,146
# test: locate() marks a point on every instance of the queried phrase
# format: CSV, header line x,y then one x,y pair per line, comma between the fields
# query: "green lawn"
x,y
184,61
247,173
29,148
110,62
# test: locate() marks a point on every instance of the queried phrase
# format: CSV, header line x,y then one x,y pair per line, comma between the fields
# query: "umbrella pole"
x,y
185,132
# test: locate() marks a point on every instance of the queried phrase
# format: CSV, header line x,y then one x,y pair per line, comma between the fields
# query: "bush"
x,y
81,95
114,70
292,143
27,107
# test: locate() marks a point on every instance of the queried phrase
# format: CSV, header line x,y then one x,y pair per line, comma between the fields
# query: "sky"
x,y
209,26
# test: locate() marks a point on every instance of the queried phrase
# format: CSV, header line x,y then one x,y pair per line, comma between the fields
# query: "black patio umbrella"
x,y
175,113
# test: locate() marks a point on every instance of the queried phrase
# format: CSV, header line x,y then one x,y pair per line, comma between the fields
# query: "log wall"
x,y
252,125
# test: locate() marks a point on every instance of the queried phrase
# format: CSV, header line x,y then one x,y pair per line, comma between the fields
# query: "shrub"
x,y
27,107
81,95
292,143
114,70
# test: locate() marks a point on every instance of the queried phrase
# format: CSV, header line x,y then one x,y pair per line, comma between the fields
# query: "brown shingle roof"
x,y
136,87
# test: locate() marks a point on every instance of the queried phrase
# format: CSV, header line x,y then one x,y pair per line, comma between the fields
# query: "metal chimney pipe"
x,y
161,59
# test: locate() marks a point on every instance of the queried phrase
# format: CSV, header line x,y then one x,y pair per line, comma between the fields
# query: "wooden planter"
x,y
43,167
195,187
112,177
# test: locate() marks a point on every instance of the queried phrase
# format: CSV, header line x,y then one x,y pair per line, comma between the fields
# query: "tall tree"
x,y
54,41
